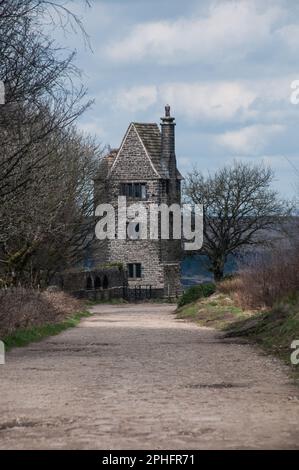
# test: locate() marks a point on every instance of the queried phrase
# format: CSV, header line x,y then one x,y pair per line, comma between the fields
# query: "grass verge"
x,y
216,311
273,330
22,337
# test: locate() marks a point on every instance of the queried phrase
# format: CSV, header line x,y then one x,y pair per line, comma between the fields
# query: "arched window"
x,y
97,283
89,283
105,282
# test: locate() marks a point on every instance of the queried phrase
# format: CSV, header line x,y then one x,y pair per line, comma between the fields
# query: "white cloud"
x,y
250,139
229,30
185,163
138,98
93,128
290,35
216,101
264,101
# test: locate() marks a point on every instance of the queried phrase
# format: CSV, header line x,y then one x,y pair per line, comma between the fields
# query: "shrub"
x,y
265,279
197,292
229,286
22,308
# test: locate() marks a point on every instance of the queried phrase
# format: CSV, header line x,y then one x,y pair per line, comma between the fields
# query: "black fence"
x,y
138,293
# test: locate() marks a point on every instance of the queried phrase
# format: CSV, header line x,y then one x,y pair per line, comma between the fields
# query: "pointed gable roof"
x,y
139,144
150,137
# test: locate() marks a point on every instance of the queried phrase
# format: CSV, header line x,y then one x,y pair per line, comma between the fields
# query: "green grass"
x,y
22,337
216,311
188,311
274,330
196,292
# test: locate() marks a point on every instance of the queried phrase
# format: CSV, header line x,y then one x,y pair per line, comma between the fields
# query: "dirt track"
x,y
134,377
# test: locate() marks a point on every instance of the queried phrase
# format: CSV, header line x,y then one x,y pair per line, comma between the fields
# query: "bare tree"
x,y
46,165
51,227
240,210
41,95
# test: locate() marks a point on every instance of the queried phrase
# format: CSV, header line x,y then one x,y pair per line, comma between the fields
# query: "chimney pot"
x,y
168,142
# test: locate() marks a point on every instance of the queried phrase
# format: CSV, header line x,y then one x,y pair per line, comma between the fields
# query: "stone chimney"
x,y
168,143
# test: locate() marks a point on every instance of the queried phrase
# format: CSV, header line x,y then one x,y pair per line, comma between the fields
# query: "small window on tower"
x,y
122,190
137,192
131,270
134,270
143,191
138,270
133,190
129,190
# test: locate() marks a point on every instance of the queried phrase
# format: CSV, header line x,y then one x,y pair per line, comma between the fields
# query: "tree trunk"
x,y
218,274
218,269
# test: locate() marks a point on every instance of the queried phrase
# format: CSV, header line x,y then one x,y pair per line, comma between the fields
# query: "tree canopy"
x,y
239,209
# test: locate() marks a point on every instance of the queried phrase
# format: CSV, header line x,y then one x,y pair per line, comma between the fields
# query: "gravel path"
x,y
134,377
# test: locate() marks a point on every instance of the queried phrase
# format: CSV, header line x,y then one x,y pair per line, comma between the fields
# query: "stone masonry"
x,y
146,157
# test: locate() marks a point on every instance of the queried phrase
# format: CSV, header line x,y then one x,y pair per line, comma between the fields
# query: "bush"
x,y
230,286
197,292
265,279
22,308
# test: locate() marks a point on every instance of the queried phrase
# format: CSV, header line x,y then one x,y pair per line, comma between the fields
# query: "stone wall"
x,y
98,284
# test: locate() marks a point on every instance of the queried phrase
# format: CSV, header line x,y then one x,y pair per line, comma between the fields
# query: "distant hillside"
x,y
194,269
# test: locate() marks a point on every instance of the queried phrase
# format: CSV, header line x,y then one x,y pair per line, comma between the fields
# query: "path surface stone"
x,y
135,377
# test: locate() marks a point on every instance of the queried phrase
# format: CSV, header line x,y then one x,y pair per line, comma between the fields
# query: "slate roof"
x,y
151,137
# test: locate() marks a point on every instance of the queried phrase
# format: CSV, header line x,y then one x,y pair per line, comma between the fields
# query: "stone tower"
x,y
143,169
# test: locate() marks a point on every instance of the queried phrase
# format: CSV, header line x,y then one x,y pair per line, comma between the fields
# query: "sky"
x,y
225,67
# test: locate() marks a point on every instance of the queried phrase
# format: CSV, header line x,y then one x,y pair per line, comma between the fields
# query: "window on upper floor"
x,y
133,190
